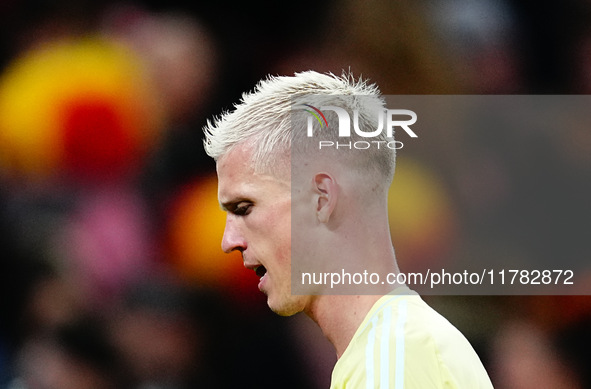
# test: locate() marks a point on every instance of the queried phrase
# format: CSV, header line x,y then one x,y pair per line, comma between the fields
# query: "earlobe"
x,y
326,192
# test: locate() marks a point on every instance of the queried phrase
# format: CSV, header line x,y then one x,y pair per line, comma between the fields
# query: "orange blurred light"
x,y
195,230
83,106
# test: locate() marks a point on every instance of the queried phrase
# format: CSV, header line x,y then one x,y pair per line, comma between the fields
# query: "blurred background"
x,y
111,271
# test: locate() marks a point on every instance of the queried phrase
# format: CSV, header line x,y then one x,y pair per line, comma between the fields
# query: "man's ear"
x,y
327,192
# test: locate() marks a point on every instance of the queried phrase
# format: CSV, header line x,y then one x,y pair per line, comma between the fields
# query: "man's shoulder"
x,y
427,336
402,332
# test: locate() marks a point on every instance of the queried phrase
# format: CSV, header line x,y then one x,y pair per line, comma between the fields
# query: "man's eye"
x,y
242,209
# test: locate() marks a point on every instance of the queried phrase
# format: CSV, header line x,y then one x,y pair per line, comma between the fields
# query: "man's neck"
x,y
339,317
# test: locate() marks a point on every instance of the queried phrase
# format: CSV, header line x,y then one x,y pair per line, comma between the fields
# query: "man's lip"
x,y
258,268
251,266
261,282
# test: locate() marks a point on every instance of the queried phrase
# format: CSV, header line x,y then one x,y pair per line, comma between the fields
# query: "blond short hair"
x,y
265,117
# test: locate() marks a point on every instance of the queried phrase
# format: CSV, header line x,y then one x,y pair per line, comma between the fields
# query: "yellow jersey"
x,y
404,343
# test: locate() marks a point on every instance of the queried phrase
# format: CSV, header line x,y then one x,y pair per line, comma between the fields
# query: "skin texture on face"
x,y
258,224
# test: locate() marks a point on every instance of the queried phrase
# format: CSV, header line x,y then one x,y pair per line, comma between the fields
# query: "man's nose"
x,y
233,239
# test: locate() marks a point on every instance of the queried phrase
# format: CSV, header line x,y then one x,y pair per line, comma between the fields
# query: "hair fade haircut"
x,y
268,118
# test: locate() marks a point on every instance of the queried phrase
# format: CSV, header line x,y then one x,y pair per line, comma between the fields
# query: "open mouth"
x,y
260,271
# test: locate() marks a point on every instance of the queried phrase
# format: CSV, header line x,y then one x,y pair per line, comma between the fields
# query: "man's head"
x,y
265,160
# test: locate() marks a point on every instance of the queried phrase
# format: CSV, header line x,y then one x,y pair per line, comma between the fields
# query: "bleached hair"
x,y
265,118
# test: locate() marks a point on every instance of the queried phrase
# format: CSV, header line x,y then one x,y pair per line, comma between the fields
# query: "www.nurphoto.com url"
x,y
442,277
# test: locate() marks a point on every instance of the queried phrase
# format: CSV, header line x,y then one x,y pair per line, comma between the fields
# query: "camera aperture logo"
x,y
315,112
388,119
